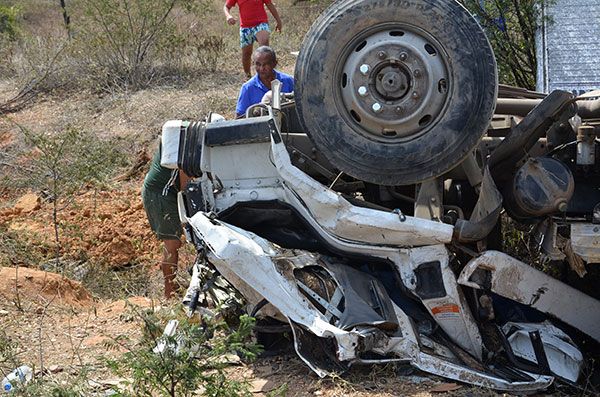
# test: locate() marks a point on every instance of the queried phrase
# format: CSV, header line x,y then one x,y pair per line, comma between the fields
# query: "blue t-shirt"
x,y
253,90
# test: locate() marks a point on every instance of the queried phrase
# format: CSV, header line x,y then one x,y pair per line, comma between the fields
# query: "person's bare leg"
x,y
262,37
169,265
247,59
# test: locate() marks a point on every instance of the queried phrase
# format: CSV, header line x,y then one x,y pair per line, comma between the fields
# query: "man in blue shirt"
x,y
253,90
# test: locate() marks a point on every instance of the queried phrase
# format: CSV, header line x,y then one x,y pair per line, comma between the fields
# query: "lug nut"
x,y
381,55
562,207
417,73
362,91
399,109
403,56
377,108
415,95
364,69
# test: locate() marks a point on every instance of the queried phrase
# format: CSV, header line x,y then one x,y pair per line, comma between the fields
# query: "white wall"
x,y
568,47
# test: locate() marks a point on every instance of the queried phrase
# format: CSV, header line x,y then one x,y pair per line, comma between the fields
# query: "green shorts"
x,y
162,214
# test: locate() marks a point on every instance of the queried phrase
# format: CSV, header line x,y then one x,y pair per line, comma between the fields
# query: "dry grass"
x,y
203,48
187,92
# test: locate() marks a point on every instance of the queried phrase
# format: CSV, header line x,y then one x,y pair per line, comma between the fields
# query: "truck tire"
x,y
395,92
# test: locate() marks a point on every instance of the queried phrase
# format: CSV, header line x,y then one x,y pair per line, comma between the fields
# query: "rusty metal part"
x,y
391,76
507,91
428,203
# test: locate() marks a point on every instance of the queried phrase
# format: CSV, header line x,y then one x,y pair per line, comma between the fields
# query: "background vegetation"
x,y
107,45
511,28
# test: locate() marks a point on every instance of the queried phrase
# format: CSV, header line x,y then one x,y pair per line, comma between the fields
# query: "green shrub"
x,y
193,360
9,32
9,21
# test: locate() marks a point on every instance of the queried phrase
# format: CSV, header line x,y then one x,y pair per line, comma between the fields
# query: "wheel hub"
x,y
394,82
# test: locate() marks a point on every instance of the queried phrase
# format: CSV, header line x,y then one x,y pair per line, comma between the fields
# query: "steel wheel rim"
x,y
393,82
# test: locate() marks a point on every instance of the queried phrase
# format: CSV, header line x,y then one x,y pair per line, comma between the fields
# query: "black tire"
x,y
466,99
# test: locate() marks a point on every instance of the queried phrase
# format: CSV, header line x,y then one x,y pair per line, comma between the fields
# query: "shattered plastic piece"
x,y
169,331
584,240
516,280
564,358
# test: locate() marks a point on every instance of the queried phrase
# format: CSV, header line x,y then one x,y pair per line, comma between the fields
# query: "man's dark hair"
x,y
265,49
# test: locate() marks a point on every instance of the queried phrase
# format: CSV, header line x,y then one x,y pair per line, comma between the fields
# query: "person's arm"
x,y
243,102
230,18
275,14
183,180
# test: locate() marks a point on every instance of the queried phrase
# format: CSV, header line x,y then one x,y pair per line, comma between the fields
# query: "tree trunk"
x,y
66,18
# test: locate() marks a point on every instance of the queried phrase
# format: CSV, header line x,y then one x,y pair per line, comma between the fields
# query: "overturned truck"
x,y
364,213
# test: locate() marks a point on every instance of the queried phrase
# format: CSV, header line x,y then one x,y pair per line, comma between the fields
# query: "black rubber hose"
x,y
589,109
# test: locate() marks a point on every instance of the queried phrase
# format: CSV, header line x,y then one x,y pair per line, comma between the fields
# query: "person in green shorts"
x,y
159,195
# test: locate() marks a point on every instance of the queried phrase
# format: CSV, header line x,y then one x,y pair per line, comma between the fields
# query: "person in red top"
x,y
254,25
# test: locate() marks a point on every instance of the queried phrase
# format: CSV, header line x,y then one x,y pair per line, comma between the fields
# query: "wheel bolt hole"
x,y
361,46
425,120
442,86
430,50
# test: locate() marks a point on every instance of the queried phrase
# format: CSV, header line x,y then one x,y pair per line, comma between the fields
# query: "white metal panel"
x,y
520,282
239,162
585,241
